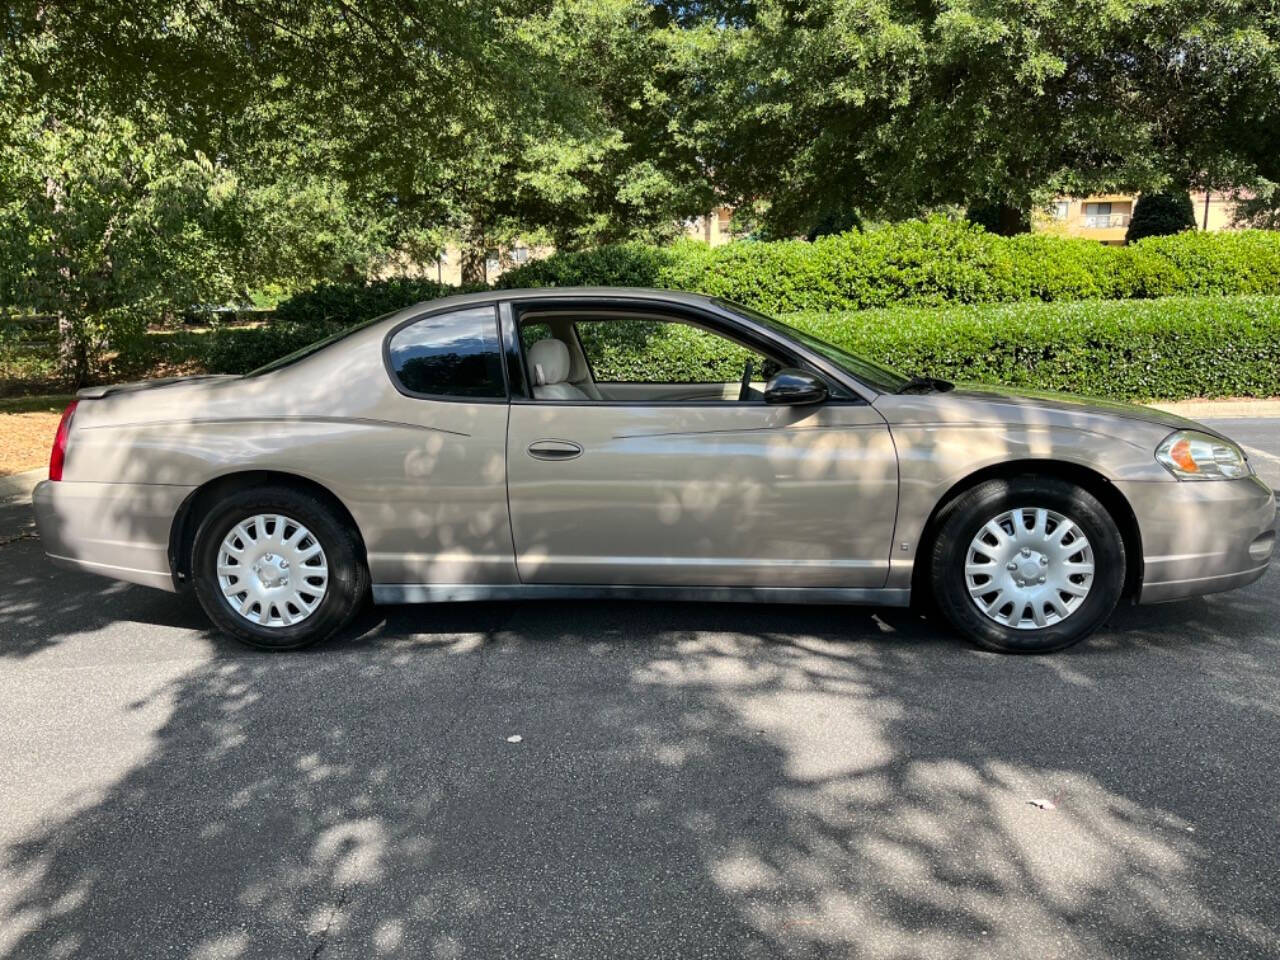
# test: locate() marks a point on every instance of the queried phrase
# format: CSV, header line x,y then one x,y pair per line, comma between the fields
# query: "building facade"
x,y
714,229
1105,217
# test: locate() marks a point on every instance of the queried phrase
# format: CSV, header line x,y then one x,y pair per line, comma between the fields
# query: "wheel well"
x,y
182,535
1090,480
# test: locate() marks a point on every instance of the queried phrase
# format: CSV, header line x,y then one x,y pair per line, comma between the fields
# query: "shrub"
x,y
1160,214
348,303
1194,263
228,349
924,263
241,349
655,352
1168,349
620,265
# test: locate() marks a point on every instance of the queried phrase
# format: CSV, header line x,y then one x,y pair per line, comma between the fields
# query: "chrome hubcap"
x,y
272,570
1029,568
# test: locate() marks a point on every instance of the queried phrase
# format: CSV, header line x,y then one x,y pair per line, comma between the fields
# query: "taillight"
x,y
58,455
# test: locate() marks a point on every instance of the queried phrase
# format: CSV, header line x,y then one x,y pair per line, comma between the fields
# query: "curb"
x,y
20,485
1209,409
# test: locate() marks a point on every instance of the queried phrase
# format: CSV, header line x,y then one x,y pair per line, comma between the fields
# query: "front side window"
x,y
661,351
531,331
875,375
450,355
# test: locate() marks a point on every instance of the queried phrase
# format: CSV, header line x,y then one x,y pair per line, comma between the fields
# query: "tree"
x,y
912,107
400,125
106,229
999,218
1160,214
441,119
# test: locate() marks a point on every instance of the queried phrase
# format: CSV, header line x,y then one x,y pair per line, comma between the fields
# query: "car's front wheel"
x,y
1027,565
276,569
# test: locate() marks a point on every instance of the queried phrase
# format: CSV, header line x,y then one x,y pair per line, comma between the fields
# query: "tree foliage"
x,y
1160,214
294,141
105,229
434,118
898,108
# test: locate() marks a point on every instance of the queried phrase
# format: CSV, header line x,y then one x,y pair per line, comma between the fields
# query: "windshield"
x,y
874,375
319,345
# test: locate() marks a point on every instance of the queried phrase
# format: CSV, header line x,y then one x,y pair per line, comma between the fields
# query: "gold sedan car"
x,y
565,443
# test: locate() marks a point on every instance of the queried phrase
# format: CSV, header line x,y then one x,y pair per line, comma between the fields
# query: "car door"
x,y
710,491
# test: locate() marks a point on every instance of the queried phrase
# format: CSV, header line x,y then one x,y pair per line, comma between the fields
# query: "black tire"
x,y
348,582
960,522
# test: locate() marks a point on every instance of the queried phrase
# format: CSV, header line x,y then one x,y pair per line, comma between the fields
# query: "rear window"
x,y
450,355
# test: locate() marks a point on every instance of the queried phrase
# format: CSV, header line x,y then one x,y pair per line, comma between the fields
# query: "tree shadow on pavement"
x,y
691,780
42,605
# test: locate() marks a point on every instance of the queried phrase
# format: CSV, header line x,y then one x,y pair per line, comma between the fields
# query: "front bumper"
x,y
118,530
1201,537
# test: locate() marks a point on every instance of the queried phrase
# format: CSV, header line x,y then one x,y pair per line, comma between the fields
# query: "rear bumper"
x,y
118,530
1201,537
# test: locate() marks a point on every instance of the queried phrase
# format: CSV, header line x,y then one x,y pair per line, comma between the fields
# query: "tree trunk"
x,y
73,351
474,249
1011,221
73,354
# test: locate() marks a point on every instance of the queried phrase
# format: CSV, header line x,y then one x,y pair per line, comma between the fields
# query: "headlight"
x,y
1192,455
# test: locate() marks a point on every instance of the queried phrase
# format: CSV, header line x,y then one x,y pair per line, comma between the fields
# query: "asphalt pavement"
x,y
689,780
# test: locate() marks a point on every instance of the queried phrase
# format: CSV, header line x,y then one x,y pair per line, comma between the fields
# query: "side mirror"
x,y
794,388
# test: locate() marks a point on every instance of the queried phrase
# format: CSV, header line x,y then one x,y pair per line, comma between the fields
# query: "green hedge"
x,y
650,351
926,263
917,263
226,349
354,302
1167,349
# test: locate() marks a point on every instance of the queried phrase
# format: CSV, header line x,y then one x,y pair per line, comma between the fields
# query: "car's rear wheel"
x,y
1027,565
276,569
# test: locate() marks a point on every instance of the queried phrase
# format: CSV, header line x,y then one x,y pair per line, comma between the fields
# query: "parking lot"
x,y
689,780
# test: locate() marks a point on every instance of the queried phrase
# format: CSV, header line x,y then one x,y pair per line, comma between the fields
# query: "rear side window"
x,y
450,355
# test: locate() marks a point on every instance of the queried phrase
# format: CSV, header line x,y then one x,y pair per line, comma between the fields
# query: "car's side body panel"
x,y
1201,537
1188,530
941,443
712,494
424,480
720,500
119,530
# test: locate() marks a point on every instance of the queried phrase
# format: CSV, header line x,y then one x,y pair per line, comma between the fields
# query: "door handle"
x,y
554,450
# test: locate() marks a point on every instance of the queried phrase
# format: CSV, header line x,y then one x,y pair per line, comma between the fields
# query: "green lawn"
x,y
46,403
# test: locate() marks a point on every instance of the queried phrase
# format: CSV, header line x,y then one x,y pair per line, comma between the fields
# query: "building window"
x,y
1061,208
1099,216
520,254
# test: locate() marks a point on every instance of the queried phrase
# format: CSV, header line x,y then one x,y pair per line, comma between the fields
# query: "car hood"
x,y
985,404
1070,402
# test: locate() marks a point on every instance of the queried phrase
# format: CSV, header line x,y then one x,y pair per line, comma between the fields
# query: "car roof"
x,y
571,293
